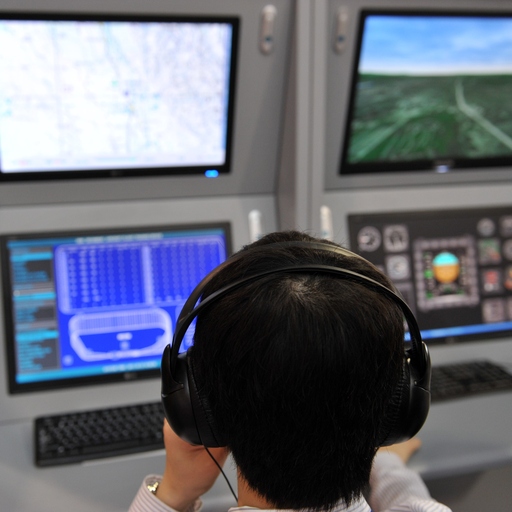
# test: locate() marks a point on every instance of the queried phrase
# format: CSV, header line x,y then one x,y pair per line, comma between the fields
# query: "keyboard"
x,y
81,436
469,378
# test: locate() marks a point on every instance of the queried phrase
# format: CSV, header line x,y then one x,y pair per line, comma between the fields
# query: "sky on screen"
x,y
428,45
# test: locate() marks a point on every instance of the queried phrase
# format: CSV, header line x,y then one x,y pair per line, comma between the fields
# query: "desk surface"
x,y
106,485
461,436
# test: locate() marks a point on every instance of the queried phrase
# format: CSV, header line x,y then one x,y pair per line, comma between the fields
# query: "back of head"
x,y
298,372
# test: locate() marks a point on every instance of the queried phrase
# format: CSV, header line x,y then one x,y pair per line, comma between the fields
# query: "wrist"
x,y
175,498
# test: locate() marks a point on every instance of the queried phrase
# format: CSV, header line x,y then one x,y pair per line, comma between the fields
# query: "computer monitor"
x,y
86,307
97,95
429,91
453,267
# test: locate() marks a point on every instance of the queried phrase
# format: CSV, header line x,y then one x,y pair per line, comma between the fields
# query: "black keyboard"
x,y
458,380
76,437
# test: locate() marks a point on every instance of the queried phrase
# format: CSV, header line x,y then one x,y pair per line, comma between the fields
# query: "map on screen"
x,y
107,94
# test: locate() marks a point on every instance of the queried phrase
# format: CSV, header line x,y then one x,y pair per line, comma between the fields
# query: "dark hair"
x,y
298,371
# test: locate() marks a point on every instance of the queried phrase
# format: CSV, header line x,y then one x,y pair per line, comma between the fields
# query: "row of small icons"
x,y
256,230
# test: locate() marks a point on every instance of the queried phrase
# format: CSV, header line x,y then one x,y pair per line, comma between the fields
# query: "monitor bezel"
x,y
139,172
15,387
436,165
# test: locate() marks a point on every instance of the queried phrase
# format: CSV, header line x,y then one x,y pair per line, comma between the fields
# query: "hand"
x,y
189,471
404,450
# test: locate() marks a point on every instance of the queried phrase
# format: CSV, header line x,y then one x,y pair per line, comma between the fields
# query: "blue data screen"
x,y
103,303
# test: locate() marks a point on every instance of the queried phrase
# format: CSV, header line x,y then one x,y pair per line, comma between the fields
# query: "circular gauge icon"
x,y
507,249
396,238
368,239
398,267
506,225
485,227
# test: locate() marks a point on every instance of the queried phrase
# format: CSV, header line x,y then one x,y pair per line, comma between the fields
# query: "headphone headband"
x,y
190,311
198,290
188,410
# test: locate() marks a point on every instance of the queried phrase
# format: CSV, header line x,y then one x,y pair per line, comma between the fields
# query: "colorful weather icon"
x,y
446,267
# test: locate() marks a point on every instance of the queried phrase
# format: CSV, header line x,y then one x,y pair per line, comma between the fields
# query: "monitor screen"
x,y
430,91
453,267
106,96
97,306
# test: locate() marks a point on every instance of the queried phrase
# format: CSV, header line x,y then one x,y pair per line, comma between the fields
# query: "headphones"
x,y
188,412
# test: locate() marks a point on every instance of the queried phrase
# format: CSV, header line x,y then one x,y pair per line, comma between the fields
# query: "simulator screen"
x,y
430,91
452,267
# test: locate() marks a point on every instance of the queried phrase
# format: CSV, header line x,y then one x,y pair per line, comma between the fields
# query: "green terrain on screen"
x,y
399,118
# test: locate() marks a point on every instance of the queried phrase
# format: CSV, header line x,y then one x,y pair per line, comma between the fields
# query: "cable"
x,y
223,474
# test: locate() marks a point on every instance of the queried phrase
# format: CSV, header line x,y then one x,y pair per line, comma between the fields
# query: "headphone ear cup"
x,y
186,411
205,424
177,403
408,408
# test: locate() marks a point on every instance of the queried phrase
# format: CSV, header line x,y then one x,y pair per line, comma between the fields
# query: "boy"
x,y
298,372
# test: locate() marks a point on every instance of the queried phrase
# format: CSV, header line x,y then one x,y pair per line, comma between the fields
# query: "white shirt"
x,y
394,488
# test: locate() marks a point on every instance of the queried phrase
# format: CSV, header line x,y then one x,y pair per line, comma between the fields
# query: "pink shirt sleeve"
x,y
146,501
